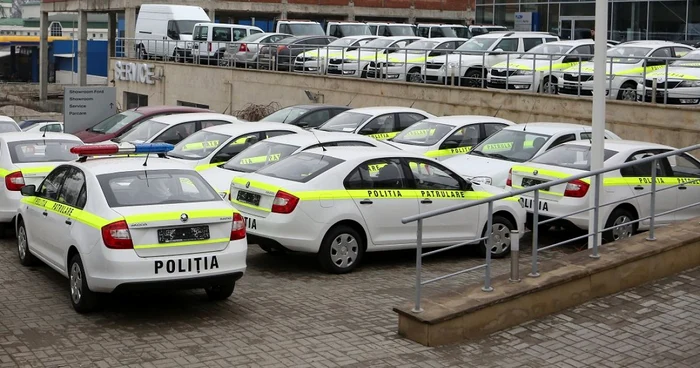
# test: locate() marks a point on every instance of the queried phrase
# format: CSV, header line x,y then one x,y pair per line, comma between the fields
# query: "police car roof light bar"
x,y
113,149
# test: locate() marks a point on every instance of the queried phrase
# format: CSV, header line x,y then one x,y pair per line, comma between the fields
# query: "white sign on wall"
x,y
523,21
134,72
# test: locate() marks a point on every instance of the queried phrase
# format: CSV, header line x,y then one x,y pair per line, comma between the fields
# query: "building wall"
x,y
71,78
96,56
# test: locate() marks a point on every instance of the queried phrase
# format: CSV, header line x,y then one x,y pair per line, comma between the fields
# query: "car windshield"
x,y
286,115
379,43
8,126
29,123
627,54
511,145
401,30
690,59
354,29
571,156
42,151
142,132
198,145
547,51
115,122
259,155
153,187
301,167
455,31
421,45
343,42
478,44
345,122
424,133
185,27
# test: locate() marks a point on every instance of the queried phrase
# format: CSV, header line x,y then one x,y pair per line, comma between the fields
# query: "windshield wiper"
x,y
473,152
500,156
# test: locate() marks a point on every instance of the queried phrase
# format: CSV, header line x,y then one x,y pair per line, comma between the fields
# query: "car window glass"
x,y
681,51
684,166
581,50
467,136
82,198
529,43
563,139
315,118
211,123
239,34
423,31
377,174
201,34
644,170
406,119
664,52
70,190
275,133
175,134
490,128
235,147
51,185
429,175
507,44
222,34
380,124
352,144
437,32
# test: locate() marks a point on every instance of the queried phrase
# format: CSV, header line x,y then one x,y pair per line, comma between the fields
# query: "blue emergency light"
x,y
114,149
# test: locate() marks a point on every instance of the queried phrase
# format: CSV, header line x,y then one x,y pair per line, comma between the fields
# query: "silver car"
x,y
244,52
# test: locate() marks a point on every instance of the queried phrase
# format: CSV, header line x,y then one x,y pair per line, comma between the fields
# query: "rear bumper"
x,y
192,283
297,232
9,203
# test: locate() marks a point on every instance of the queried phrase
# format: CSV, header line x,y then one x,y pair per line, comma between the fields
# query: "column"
x,y
82,48
129,32
43,55
283,13
351,11
111,34
212,14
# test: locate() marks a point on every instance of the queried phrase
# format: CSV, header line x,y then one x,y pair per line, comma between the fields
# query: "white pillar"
x,y
212,14
129,32
43,55
111,34
82,48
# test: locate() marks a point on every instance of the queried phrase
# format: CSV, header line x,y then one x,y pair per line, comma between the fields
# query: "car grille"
x,y
669,84
502,72
335,61
575,78
304,59
433,65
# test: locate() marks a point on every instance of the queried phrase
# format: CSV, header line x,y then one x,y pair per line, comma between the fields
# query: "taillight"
x,y
281,48
14,181
238,227
243,48
117,236
284,202
509,181
209,45
576,189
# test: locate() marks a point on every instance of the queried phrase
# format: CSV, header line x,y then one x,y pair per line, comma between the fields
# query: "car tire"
x,y
627,92
363,74
414,76
472,78
617,217
26,258
341,250
81,297
549,86
221,291
501,227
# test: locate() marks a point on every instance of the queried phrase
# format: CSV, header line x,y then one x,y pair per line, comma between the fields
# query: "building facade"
x,y
627,20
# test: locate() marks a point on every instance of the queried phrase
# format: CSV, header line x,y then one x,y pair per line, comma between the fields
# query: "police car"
x,y
355,63
341,202
26,158
490,161
8,124
447,136
174,128
622,185
629,62
315,61
382,122
682,85
405,64
277,148
124,223
214,146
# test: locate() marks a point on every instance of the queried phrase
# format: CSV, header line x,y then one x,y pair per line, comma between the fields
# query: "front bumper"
x,y
345,69
391,73
310,67
672,96
515,82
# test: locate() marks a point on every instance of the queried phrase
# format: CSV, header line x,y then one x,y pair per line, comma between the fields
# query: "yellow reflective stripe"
x,y
541,191
638,70
175,215
370,57
673,75
260,159
255,184
28,170
311,53
182,244
448,151
505,146
206,166
543,172
620,181
3,172
67,211
557,66
382,136
420,132
200,145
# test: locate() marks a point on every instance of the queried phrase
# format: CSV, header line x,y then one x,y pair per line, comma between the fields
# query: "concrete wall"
x,y
71,78
230,90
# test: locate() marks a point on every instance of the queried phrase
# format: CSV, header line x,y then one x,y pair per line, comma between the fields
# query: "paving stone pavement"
x,y
285,313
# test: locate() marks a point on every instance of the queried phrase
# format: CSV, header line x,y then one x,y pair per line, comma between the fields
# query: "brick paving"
x,y
285,313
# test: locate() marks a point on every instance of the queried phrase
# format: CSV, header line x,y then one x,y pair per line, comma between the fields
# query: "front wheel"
x,y
501,228
472,78
414,76
82,299
628,92
341,250
26,258
550,86
624,228
220,292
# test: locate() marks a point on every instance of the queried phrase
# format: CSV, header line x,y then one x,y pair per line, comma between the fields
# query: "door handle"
x,y
427,201
45,213
639,187
69,222
366,201
682,187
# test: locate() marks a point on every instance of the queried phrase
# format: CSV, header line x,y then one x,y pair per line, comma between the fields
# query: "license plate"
x,y
334,67
248,197
181,234
186,265
498,81
528,182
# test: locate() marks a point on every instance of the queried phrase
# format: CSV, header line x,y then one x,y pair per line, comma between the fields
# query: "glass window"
x,y
134,100
192,104
286,115
8,126
437,32
694,20
115,122
467,136
529,43
72,185
684,166
406,119
239,34
668,20
377,174
345,122
259,155
275,133
508,44
301,167
198,145
690,59
201,33
315,119
627,54
492,128
424,133
381,124
571,156
428,175
42,151
503,14
224,34
236,146
82,198
478,44
563,139
141,188
511,145
629,21
177,133
210,123
645,170
423,31
52,184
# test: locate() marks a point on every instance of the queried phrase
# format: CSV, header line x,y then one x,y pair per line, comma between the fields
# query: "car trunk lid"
x,y
529,175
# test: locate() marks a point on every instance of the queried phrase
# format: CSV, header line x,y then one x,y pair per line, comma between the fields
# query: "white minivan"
x,y
209,40
162,30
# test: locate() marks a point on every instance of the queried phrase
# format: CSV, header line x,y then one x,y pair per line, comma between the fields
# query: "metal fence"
x,y
632,78
536,223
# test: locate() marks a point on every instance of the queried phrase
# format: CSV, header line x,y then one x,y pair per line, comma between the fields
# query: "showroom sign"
x,y
134,72
523,21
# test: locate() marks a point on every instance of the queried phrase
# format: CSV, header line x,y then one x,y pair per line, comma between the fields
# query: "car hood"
x,y
688,72
471,166
617,69
410,147
531,64
220,178
325,52
408,56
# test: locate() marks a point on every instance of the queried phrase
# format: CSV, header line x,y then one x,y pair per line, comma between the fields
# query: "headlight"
x,y
481,180
523,72
608,77
452,65
687,83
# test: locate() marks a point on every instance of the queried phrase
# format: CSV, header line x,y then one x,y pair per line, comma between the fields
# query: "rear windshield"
x,y
571,156
41,151
142,132
152,187
198,146
301,167
345,122
7,126
260,155
115,122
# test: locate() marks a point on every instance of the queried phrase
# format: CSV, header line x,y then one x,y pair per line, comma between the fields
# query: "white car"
x,y
341,202
382,122
277,148
405,64
47,126
117,224
682,85
490,161
447,136
173,128
215,145
355,63
470,62
8,124
315,61
629,63
627,185
26,158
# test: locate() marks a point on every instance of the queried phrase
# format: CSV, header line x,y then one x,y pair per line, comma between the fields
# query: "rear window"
x,y
115,122
152,187
301,167
571,156
41,151
259,155
199,145
7,126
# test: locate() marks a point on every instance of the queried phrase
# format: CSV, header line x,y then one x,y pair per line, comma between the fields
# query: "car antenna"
x,y
319,141
145,162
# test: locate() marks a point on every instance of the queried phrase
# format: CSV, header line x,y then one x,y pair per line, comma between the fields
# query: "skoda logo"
x,y
535,172
247,185
184,217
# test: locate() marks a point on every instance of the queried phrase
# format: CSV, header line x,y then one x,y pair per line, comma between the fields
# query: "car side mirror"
x,y
573,59
497,52
466,185
450,144
302,124
28,190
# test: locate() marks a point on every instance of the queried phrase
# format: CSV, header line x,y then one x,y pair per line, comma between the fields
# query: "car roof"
x,y
651,43
624,145
445,39
318,135
358,37
234,129
441,25
578,42
226,25
30,136
313,107
353,154
398,38
109,165
159,109
513,34
376,110
7,119
549,128
182,118
456,120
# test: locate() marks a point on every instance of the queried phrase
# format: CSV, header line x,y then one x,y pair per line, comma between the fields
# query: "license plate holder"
x,y
182,234
529,182
248,197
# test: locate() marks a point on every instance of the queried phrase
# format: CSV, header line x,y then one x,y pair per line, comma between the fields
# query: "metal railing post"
x,y
666,83
514,256
596,216
483,71
507,69
654,86
419,264
652,205
535,231
489,245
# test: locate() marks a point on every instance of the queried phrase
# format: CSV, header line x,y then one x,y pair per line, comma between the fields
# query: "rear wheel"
x,y
501,228
628,92
341,251
621,218
550,86
364,72
414,76
221,291
472,78
25,257
82,299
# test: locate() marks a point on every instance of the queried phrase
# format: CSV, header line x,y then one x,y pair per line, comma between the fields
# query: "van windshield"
x,y
185,27
311,29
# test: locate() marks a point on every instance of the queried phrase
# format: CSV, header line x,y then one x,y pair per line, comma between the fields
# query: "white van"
x,y
442,30
209,40
345,29
162,30
299,28
385,29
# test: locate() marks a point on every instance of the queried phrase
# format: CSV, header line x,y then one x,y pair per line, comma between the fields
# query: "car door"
x,y
436,188
406,119
639,180
68,230
379,190
44,225
381,127
509,46
686,172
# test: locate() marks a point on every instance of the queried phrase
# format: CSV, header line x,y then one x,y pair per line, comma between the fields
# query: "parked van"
x,y
300,28
391,29
209,40
163,30
345,29
443,30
